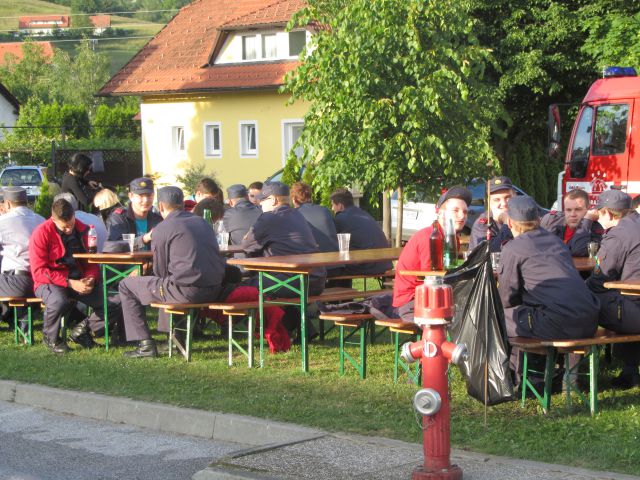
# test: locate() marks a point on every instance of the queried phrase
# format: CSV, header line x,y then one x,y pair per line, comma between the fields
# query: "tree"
x,y
396,94
27,77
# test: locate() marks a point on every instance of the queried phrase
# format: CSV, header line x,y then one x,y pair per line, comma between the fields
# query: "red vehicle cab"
x,y
603,149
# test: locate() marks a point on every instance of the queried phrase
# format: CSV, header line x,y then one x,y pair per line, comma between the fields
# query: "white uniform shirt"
x,y
16,227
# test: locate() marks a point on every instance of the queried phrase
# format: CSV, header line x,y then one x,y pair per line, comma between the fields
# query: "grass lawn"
x,y
323,399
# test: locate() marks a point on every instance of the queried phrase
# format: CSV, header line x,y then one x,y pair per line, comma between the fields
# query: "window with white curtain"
x,y
248,139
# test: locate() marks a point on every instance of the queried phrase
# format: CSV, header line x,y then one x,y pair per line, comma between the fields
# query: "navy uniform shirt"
x,y
537,270
122,220
500,233
586,231
365,233
322,226
238,220
283,231
619,254
185,251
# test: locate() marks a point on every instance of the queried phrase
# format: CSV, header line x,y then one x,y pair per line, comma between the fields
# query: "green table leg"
x,y
594,360
117,275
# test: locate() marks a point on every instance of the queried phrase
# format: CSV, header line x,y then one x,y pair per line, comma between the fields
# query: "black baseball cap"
x,y
497,184
455,192
237,191
278,189
15,194
523,209
613,199
141,186
171,195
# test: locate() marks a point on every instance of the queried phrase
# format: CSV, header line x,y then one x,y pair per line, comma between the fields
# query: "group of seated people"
x,y
38,254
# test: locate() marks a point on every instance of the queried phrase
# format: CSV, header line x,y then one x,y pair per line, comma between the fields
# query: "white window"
x,y
248,139
291,131
297,41
212,139
269,46
249,47
178,140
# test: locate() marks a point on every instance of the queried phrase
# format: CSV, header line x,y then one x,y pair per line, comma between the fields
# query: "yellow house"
x,y
209,87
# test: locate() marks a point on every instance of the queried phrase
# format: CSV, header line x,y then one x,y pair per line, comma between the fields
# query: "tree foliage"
x,y
116,122
396,92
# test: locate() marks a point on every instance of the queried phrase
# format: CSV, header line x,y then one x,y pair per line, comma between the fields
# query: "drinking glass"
x,y
592,248
495,260
343,242
130,238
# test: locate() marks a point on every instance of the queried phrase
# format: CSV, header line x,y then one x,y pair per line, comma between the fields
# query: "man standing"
x,y
137,218
241,216
416,255
500,192
365,232
187,268
576,226
619,259
60,280
16,227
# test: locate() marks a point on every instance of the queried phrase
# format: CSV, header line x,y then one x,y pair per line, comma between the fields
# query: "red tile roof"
x,y
279,12
178,58
15,48
100,21
48,21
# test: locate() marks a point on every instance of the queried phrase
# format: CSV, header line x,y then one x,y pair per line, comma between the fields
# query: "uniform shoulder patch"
x,y
553,212
482,221
118,210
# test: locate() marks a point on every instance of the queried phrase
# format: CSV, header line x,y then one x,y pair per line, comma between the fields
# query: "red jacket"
x,y
45,247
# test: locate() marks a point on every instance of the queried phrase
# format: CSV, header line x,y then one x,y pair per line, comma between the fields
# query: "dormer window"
x,y
256,46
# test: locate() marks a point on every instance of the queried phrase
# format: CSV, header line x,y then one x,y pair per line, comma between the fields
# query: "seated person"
x,y
87,218
416,254
106,201
500,191
208,188
254,189
60,280
541,291
575,226
365,232
241,215
214,205
619,259
137,218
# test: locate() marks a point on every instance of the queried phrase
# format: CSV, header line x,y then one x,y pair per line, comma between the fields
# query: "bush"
x,y
191,177
43,203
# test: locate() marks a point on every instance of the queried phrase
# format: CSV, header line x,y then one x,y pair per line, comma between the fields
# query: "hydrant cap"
x,y
427,401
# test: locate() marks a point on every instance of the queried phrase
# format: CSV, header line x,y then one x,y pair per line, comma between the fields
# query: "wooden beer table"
x,y
300,266
626,287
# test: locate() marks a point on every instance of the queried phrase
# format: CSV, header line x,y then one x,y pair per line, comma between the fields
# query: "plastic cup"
x,y
495,260
343,242
592,248
130,238
223,239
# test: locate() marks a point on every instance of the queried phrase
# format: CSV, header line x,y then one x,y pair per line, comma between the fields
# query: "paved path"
x,y
122,438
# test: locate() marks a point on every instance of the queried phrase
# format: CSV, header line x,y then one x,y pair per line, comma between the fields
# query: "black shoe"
x,y
146,348
624,381
81,334
312,338
56,346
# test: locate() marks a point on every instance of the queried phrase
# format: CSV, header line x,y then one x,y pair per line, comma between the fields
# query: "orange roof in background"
x,y
178,58
15,48
48,21
100,21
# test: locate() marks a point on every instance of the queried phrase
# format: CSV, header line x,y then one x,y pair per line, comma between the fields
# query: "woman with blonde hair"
x,y
106,201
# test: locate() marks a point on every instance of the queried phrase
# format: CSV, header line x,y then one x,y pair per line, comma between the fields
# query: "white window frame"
x,y
176,140
209,151
287,142
245,151
263,53
306,42
258,47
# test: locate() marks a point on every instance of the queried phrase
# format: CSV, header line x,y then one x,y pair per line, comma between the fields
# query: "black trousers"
x,y
136,292
621,314
15,286
60,301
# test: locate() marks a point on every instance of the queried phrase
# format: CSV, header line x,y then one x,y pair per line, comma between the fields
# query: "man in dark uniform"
x,y
365,232
619,259
187,268
282,230
500,192
241,216
59,279
137,218
576,226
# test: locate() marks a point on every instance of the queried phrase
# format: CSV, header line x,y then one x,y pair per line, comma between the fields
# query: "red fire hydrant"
x,y
434,309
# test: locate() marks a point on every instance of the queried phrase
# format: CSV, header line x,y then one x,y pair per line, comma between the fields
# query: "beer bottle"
x,y
450,244
206,215
436,241
92,240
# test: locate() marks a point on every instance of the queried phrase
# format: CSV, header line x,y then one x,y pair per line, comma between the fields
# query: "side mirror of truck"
x,y
553,128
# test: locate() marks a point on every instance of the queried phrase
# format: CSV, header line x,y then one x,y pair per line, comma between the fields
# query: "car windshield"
x,y
20,177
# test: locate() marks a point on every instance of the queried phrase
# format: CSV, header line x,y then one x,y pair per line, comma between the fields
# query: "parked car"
x,y
28,177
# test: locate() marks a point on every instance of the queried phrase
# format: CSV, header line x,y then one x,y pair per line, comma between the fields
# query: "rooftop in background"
x,y
100,21
180,57
15,48
43,21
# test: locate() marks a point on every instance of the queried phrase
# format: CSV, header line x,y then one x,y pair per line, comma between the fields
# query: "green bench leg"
x,y
545,398
188,329
233,343
594,360
27,336
412,371
359,364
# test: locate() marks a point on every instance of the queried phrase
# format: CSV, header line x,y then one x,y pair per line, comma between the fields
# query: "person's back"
x,y
322,226
242,214
16,227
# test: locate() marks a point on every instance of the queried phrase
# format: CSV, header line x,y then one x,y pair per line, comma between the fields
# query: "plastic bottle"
x,y
436,241
450,244
92,240
206,215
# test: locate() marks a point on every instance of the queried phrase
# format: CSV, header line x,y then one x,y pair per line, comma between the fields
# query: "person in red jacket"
x,y
60,280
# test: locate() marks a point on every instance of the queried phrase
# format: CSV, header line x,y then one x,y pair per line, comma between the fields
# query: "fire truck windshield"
x,y
582,144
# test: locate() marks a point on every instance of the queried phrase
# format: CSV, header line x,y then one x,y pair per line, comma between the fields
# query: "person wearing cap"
x,y
282,230
241,216
60,279
187,268
16,227
88,219
365,232
416,255
137,218
500,192
541,291
619,259
576,226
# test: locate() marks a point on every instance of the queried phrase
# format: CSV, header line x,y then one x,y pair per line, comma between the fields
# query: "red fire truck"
x,y
604,148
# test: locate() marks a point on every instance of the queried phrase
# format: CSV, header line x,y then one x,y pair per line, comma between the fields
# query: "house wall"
x,y
159,116
7,116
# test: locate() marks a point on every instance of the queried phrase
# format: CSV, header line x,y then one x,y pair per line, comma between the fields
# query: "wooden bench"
x,y
28,303
588,347
358,323
399,327
379,277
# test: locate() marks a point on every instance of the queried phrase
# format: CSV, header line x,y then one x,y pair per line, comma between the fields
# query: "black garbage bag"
x,y
479,323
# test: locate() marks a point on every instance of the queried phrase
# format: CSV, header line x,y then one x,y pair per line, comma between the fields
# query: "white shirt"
x,y
90,219
16,227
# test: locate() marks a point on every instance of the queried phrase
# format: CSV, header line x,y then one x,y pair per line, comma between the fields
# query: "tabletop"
x,y
305,262
134,258
626,287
